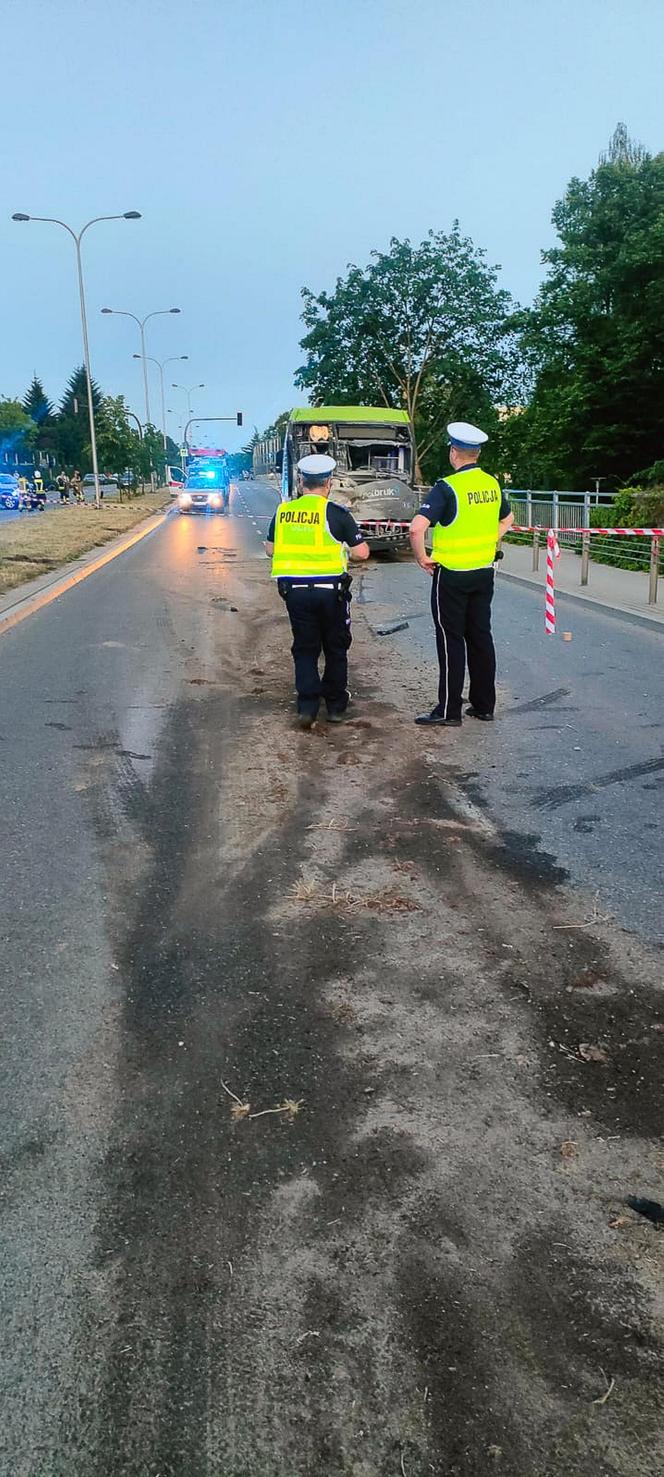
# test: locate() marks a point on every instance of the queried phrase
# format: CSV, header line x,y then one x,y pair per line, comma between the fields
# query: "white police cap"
x,y
465,436
316,465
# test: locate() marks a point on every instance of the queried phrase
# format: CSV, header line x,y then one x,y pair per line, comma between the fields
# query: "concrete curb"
x,y
620,612
50,587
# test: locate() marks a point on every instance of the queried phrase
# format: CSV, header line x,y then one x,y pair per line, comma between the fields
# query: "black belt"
x,y
341,583
335,582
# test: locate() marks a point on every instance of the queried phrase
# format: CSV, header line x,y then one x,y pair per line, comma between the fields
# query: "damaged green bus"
x,y
375,455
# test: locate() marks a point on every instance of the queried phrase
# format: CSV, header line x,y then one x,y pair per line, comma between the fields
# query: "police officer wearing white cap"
x,y
310,540
469,514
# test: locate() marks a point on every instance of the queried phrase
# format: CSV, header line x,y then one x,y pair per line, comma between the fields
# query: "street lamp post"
x,y
188,390
177,414
134,417
161,365
159,313
77,237
130,415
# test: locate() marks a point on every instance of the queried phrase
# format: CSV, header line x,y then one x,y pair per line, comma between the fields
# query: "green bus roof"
x,y
362,414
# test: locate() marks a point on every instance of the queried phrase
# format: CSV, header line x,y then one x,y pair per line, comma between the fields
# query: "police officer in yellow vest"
x,y
310,540
469,514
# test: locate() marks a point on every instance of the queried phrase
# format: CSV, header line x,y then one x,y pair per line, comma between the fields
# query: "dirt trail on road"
x,y
424,1265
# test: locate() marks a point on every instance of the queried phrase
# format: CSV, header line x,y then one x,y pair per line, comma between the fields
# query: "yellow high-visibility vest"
x,y
470,541
303,545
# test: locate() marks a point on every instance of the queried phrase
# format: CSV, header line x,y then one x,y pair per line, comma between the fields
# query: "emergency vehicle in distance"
x,y
374,451
206,485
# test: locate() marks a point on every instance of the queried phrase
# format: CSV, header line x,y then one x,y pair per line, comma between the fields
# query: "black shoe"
x,y
337,717
483,717
435,720
306,720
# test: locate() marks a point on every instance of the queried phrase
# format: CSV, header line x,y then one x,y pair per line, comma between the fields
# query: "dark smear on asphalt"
x,y
184,1186
26,1150
103,745
537,702
185,1190
519,855
457,1344
625,1094
596,1322
63,727
552,799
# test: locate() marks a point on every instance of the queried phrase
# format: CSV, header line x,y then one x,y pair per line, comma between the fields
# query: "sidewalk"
x,y
621,591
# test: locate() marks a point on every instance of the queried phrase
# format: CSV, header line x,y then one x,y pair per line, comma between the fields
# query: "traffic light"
x,y
239,417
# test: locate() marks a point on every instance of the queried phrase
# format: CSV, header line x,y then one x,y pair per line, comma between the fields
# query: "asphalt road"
x,y
95,680
7,514
575,763
171,1299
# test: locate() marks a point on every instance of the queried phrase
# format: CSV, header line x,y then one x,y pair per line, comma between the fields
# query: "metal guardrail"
x,y
557,510
640,550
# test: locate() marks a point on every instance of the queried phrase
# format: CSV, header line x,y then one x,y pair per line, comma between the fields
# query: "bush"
x,y
631,508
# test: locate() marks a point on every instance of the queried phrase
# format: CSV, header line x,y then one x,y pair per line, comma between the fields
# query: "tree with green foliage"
x,y
422,327
119,447
278,428
18,432
154,458
76,394
36,403
594,340
73,427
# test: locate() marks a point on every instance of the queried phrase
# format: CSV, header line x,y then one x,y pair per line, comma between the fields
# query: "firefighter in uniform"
x,y
469,514
310,540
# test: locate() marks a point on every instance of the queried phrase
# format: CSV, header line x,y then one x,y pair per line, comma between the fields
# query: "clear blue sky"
x,y
270,142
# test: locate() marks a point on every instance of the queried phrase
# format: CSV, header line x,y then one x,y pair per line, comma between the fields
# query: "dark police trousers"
x,y
320,621
461,606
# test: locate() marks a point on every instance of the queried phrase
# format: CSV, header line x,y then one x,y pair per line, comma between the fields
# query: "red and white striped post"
x,y
552,553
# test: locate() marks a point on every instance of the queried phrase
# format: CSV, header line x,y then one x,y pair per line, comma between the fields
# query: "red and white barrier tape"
x,y
630,532
552,553
393,523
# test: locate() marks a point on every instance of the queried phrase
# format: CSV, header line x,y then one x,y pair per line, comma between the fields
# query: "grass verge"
x,y
36,543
